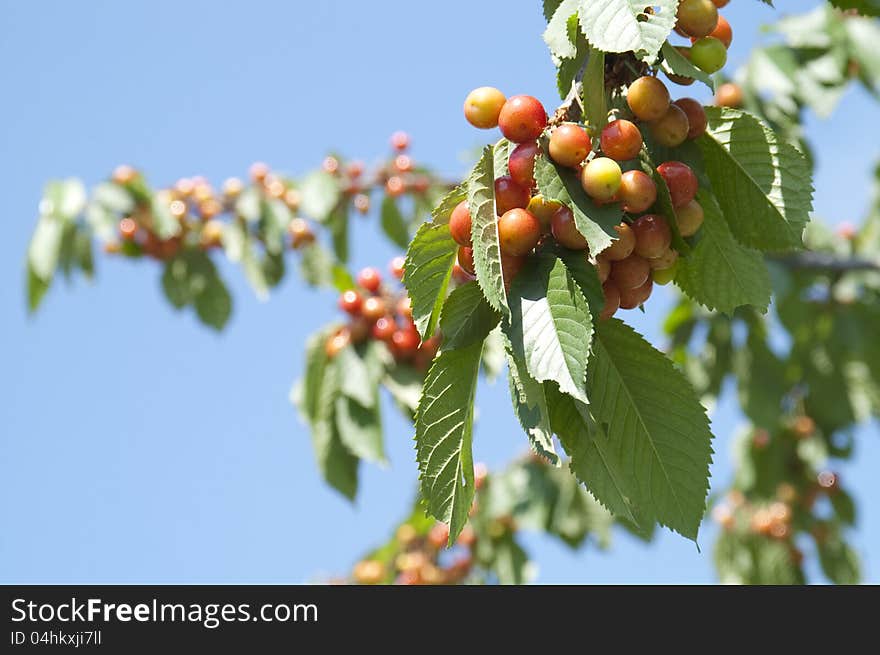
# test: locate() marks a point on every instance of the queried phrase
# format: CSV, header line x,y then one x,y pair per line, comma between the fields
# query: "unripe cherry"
x,y
621,140
612,300
708,54
518,232
653,236
565,231
681,181
697,17
543,210
370,279
569,145
632,298
351,302
600,178
622,247
664,261
521,164
637,191
672,128
630,273
510,195
460,224
522,119
648,98
482,107
664,276
466,260
696,115
690,218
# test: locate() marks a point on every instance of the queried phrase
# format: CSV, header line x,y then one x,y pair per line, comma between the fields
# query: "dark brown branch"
x,y
826,262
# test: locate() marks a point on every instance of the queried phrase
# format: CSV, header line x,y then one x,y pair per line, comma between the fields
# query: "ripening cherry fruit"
x,y
648,98
482,107
405,341
622,247
603,268
708,54
510,195
374,308
664,261
729,95
511,265
383,328
522,119
672,128
400,141
460,224
696,115
460,275
518,232
337,343
630,273
521,164
565,231
123,174
723,32
395,267
690,218
621,140
612,300
681,181
600,178
632,298
664,276
370,279
127,229
351,302
466,260
653,236
697,17
569,145
637,191
543,210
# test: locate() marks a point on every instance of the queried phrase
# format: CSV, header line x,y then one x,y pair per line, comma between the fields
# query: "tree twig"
x,y
826,262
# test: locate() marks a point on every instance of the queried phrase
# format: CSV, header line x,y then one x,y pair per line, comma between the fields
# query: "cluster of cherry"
x,y
642,253
379,311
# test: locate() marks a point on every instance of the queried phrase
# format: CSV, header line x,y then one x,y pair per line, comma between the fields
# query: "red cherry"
x,y
696,116
350,302
396,267
374,308
522,119
569,145
384,328
621,140
400,140
405,342
632,298
510,195
565,231
637,191
681,181
370,279
466,260
653,236
612,300
518,231
460,224
522,164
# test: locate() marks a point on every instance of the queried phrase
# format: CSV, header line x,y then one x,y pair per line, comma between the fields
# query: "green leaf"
x,y
36,290
361,379
274,219
484,231
719,273
426,274
550,326
337,464
530,405
654,425
320,193
510,562
337,222
404,383
761,381
444,436
839,562
623,25
443,210
45,248
393,223
165,224
360,429
214,304
676,63
556,35
466,317
318,268
595,222
864,7
316,362
593,92
763,185
109,202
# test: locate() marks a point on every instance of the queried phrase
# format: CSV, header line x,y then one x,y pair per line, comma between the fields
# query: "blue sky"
x,y
137,446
